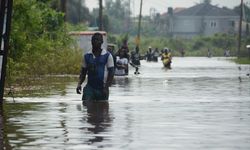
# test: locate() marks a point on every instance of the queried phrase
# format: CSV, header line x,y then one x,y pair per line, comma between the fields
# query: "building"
x,y
203,19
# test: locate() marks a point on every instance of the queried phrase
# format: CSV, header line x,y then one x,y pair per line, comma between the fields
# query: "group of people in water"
x,y
164,54
122,58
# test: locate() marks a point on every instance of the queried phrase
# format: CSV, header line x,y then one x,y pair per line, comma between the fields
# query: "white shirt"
x,y
122,61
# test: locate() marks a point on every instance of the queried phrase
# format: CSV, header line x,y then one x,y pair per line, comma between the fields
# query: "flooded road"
x,y
201,104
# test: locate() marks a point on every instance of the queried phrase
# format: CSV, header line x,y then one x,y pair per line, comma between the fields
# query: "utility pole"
x,y
5,24
79,10
128,17
240,28
139,27
100,15
64,8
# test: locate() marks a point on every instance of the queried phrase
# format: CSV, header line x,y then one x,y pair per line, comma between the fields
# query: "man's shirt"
x,y
97,68
121,71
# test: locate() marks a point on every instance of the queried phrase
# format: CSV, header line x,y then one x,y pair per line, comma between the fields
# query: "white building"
x,y
203,19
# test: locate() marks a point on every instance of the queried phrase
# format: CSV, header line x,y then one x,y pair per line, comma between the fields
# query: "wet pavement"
x,y
201,103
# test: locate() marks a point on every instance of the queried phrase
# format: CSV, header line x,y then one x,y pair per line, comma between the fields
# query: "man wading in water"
x,y
99,66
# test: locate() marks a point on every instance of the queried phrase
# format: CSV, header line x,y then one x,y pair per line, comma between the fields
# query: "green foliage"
x,y
177,43
246,11
116,16
119,40
76,12
207,1
39,42
223,40
243,60
198,45
77,27
112,39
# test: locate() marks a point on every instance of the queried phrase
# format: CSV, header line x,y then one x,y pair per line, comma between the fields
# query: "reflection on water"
x,y
99,118
198,104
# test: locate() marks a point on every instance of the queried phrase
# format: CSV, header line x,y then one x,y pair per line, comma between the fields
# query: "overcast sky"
x,y
162,5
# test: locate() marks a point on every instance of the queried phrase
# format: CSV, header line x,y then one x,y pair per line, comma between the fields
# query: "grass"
x,y
243,60
39,87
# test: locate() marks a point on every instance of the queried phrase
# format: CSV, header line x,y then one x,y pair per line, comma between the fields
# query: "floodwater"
x,y
200,104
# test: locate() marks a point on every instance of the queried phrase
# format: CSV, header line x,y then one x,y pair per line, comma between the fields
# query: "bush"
x,y
39,42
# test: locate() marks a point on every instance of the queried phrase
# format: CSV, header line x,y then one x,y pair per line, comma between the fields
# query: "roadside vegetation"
x,y
243,60
39,43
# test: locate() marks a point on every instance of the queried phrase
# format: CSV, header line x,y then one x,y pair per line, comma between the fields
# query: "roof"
x,y
179,9
206,9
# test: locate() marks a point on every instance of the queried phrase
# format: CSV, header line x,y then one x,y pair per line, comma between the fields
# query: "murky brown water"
x,y
199,104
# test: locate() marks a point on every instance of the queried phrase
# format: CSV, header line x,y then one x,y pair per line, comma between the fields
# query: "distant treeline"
x,y
197,46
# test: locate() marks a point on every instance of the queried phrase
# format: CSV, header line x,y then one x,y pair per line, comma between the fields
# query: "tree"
x,y
118,13
77,12
246,12
207,1
38,40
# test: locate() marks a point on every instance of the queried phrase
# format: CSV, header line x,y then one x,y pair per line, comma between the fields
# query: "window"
x,y
232,23
213,24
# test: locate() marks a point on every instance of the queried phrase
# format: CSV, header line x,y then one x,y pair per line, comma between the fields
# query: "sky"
x,y
162,5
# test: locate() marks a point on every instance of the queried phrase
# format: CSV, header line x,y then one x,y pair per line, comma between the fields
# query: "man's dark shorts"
x,y
91,94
